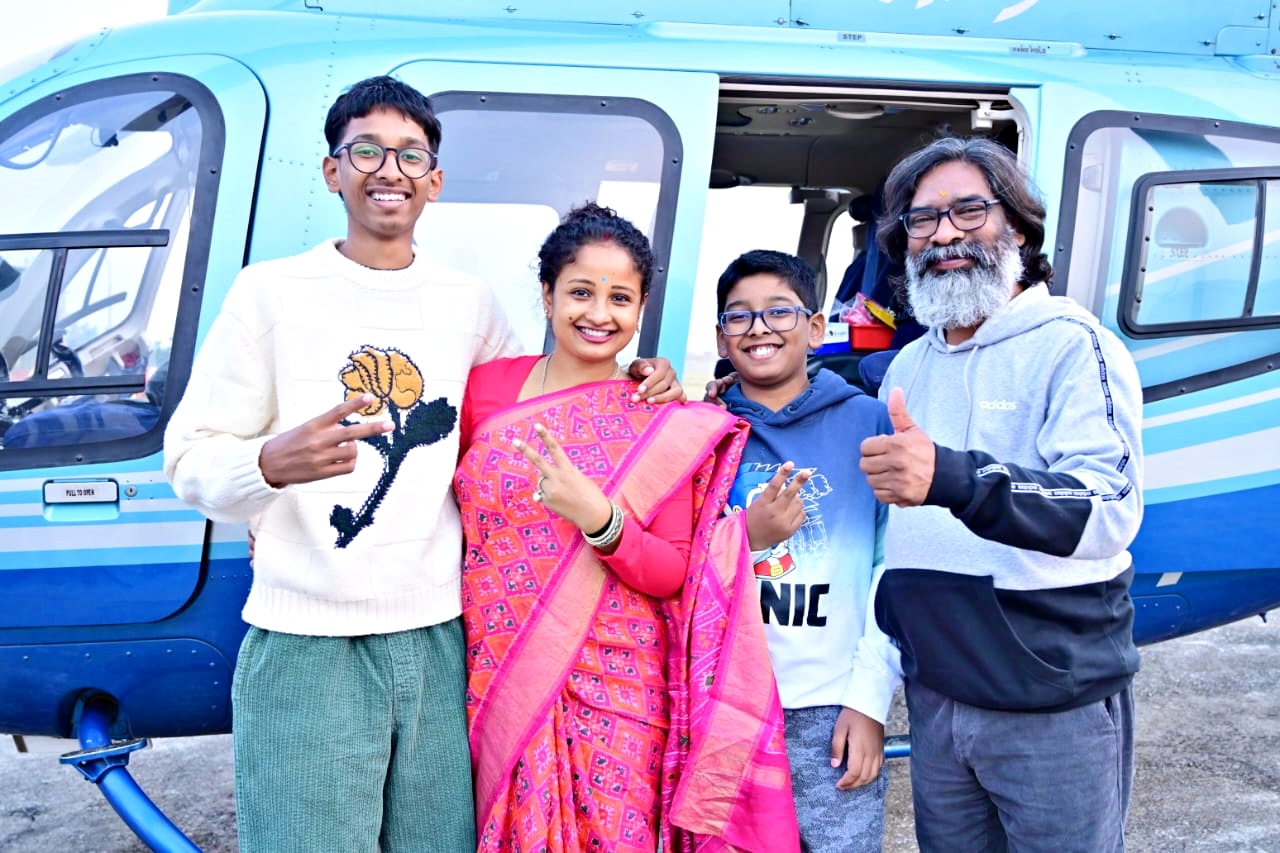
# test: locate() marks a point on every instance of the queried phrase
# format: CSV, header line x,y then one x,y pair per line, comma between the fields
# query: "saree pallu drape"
x,y
581,688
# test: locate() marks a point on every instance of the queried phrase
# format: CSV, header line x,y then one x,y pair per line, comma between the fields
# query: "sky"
x,y
33,24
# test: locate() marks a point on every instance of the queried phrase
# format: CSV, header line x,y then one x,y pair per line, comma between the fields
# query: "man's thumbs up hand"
x,y
899,467
898,412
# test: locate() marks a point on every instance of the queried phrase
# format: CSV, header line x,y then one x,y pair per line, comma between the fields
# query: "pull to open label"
x,y
81,491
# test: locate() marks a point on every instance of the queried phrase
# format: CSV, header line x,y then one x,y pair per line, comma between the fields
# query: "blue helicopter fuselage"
x,y
141,168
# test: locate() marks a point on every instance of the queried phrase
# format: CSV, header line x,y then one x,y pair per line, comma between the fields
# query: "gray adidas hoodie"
x,y
1009,587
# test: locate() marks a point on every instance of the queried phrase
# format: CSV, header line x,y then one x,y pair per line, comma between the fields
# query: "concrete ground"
x,y
1208,765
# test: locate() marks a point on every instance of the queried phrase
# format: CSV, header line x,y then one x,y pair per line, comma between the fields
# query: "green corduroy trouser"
x,y
353,744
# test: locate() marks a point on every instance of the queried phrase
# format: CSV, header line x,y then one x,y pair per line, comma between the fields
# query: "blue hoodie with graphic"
x,y
1009,587
816,587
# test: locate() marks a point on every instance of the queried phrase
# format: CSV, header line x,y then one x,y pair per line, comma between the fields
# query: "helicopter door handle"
x,y
81,500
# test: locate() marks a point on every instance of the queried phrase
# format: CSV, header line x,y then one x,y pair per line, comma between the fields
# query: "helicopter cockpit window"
x,y
1189,270
1168,233
91,265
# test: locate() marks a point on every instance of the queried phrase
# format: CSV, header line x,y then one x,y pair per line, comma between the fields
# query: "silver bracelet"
x,y
612,531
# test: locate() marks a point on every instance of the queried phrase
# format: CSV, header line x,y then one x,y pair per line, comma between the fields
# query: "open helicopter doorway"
x,y
796,167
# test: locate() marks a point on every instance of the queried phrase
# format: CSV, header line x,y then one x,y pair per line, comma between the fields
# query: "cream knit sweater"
x,y
371,552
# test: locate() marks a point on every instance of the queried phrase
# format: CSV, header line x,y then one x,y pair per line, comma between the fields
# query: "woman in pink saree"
x,y
619,689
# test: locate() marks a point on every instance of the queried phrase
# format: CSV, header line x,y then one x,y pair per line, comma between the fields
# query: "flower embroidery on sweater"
x,y
396,385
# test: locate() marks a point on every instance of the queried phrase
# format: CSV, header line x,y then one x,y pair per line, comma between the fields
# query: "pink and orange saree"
x,y
602,718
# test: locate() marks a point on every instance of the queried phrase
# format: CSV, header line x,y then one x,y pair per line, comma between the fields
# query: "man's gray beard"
x,y
963,298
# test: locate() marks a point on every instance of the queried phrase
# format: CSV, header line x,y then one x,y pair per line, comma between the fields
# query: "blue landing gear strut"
x,y
105,764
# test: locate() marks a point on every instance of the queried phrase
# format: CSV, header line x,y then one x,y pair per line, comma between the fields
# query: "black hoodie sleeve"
x,y
1037,510
1082,501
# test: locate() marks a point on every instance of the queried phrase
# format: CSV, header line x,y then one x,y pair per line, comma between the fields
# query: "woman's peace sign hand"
x,y
562,488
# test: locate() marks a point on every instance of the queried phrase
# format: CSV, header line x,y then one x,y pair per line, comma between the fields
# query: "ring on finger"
x,y
537,490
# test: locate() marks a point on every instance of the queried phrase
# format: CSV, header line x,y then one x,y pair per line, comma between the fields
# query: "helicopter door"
x,y
1171,239
107,235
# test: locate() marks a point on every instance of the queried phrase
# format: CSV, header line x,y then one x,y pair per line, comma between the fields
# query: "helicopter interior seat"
x,y
867,273
878,278
89,420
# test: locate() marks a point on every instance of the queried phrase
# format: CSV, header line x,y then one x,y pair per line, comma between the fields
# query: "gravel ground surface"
x,y
1208,765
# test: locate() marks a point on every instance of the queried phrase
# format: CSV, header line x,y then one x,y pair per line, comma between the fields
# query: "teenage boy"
x,y
836,671
349,721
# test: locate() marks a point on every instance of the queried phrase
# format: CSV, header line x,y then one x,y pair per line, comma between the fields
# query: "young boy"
x,y
836,671
348,697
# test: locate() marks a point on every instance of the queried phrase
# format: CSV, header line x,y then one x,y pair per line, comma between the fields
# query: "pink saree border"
x,y
736,792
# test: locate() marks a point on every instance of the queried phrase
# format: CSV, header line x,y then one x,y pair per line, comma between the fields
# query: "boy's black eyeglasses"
x,y
368,157
966,216
779,318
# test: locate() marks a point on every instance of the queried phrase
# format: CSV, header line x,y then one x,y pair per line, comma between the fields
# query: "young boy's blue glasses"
x,y
778,318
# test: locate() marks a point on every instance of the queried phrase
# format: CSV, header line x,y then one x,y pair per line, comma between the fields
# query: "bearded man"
x,y
1014,483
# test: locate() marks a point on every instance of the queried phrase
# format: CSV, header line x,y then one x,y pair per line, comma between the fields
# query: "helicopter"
x,y
142,167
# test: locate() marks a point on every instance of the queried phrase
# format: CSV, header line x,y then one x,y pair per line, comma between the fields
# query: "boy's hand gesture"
x,y
863,738
778,512
322,447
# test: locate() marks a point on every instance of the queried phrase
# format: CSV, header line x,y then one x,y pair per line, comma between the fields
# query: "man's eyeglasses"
x,y
966,216
779,318
368,157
